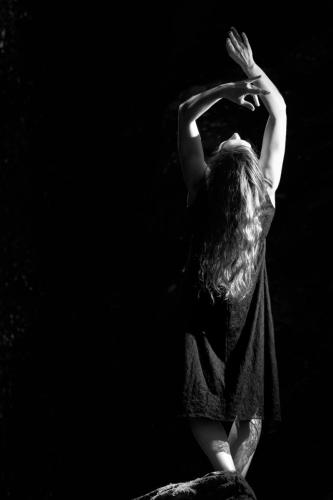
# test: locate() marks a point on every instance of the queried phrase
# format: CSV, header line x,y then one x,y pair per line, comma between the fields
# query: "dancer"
x,y
230,384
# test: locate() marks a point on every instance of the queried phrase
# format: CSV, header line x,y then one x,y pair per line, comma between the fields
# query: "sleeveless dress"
x,y
229,366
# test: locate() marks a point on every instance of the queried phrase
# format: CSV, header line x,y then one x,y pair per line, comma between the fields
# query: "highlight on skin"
x,y
236,190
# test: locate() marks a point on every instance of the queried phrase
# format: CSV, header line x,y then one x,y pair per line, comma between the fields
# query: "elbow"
x,y
183,111
183,108
279,111
283,105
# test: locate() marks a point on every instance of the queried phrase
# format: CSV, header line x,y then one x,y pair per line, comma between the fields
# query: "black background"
x,y
92,214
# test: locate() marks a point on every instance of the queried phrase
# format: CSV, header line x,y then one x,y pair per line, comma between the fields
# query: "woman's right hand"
x,y
237,91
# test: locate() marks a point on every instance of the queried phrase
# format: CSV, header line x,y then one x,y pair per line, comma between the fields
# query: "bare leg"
x,y
243,439
213,440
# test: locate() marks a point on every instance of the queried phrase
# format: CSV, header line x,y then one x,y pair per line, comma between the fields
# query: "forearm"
x,y
197,105
273,102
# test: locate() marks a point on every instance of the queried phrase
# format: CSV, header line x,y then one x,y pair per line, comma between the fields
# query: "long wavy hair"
x,y
235,192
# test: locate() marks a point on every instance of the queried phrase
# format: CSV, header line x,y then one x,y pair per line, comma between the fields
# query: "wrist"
x,y
249,69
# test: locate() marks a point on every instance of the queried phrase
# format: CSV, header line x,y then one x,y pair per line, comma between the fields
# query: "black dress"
x,y
229,363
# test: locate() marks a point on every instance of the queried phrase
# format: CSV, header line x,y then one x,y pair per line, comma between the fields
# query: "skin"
x,y
234,140
257,86
243,440
213,440
234,451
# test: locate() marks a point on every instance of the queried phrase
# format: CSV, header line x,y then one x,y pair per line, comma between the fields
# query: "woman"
x,y
230,379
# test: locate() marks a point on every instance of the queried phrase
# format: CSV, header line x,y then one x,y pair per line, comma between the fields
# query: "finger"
x,y
257,90
256,100
250,80
230,48
246,40
236,34
234,40
246,104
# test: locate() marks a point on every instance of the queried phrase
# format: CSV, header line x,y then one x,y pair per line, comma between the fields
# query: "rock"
x,y
212,486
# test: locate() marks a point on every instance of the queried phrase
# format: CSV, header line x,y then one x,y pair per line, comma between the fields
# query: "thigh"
x,y
245,431
243,441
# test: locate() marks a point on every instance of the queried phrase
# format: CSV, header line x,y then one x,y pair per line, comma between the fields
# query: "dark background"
x,y
92,211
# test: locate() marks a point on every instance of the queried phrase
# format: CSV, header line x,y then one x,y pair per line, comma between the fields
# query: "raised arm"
x,y
274,139
189,141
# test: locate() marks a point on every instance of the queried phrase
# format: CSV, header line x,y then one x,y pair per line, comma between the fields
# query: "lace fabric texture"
x,y
229,359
